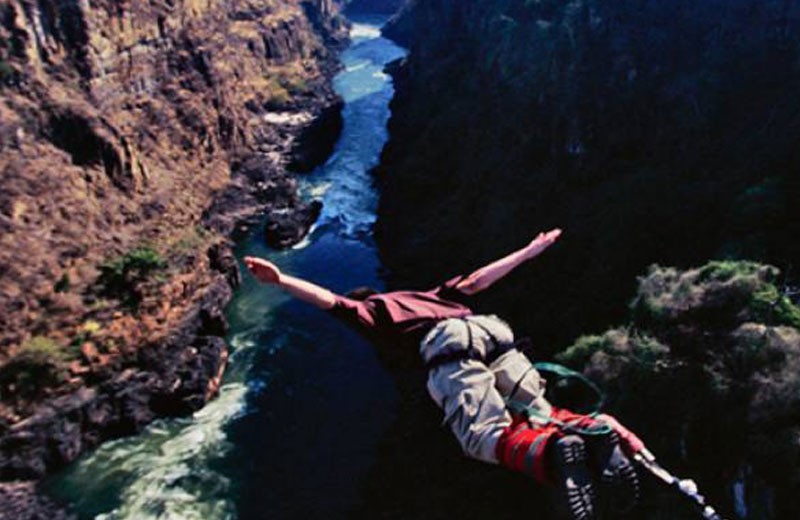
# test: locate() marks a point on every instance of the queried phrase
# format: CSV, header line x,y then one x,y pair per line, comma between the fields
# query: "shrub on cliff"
x,y
37,365
122,277
711,357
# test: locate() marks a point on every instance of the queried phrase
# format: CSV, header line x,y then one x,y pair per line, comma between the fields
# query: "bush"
x,y
120,278
711,356
36,366
770,306
724,270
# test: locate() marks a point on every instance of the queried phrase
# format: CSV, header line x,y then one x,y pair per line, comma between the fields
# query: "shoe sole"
x,y
618,478
577,492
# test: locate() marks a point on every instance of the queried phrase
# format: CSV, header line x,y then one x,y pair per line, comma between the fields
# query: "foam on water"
x,y
164,473
170,475
364,31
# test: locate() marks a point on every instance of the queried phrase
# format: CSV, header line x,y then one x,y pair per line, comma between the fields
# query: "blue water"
x,y
304,401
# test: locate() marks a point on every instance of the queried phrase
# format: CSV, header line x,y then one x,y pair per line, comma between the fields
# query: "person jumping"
x,y
491,394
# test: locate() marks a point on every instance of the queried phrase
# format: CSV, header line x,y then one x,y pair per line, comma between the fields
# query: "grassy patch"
x,y
278,96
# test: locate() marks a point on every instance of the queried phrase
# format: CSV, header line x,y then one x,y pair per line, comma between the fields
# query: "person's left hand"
x,y
543,241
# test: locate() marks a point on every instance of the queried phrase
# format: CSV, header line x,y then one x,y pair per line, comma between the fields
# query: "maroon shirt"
x,y
402,314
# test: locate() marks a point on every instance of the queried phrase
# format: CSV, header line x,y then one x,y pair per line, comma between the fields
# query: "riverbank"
x,y
157,210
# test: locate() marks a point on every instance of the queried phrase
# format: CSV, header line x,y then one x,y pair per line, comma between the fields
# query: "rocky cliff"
x,y
134,137
650,131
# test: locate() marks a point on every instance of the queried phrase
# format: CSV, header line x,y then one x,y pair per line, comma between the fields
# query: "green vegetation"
x,y
641,349
122,277
768,305
721,291
584,347
709,351
725,270
39,364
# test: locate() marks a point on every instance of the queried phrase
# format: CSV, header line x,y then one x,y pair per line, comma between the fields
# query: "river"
x,y
304,401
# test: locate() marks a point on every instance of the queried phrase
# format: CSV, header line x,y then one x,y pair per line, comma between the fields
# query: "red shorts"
x,y
522,447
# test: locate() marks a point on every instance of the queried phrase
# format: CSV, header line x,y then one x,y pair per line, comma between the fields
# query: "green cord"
x,y
567,373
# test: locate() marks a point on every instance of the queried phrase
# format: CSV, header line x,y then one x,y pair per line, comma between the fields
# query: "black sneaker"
x,y
572,478
619,483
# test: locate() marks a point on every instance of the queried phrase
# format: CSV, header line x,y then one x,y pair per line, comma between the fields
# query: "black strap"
x,y
459,355
450,357
499,348
519,382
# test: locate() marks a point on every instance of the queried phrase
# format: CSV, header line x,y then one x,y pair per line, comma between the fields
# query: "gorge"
x,y
148,146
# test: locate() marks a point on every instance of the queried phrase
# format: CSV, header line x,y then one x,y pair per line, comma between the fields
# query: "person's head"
x,y
361,293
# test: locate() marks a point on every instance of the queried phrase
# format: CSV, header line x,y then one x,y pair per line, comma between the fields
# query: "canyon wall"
x,y
134,138
649,131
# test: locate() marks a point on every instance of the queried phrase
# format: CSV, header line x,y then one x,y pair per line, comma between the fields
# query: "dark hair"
x,y
361,293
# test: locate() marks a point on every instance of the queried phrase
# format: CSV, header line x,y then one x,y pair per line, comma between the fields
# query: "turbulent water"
x,y
304,401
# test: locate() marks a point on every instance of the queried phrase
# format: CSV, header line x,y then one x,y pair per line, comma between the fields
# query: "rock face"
x,y
20,499
710,357
166,379
656,132
134,136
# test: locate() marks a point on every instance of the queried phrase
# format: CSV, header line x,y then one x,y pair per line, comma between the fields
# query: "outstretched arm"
x,y
267,272
489,274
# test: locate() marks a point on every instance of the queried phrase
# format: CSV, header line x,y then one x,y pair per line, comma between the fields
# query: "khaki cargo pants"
x,y
470,393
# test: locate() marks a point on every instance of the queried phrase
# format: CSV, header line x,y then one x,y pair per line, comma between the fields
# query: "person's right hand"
x,y
263,270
